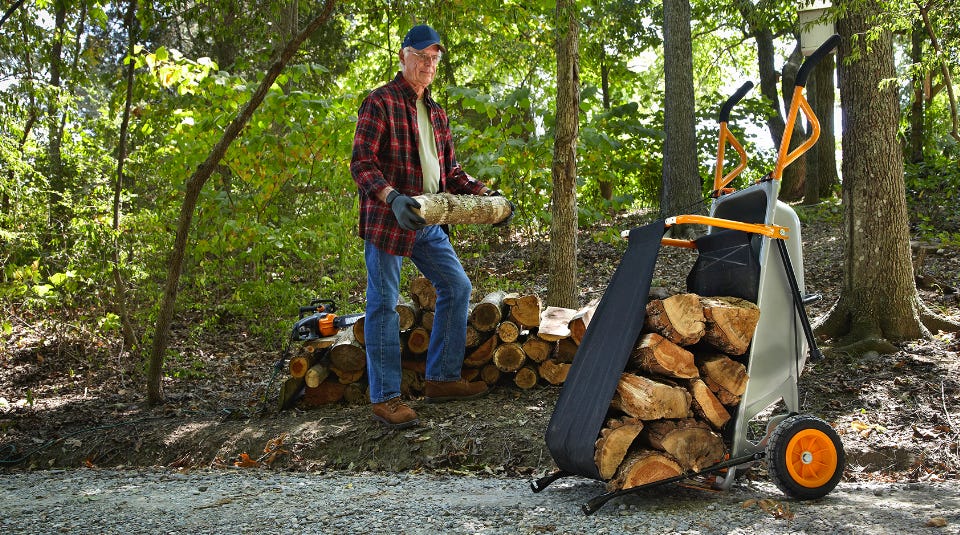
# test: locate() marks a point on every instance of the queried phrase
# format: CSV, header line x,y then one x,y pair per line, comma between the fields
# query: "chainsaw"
x,y
321,321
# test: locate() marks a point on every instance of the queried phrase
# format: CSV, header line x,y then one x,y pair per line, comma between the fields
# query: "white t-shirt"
x,y
429,159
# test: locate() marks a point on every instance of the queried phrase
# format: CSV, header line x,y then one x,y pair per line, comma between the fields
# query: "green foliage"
x,y
933,194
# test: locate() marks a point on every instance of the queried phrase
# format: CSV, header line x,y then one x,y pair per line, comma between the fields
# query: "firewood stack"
x,y
511,340
683,381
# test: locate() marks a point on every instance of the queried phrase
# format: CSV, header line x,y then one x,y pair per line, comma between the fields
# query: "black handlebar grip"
x,y
733,100
815,58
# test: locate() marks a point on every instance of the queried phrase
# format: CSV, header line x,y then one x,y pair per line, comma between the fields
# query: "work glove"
x,y
402,207
505,222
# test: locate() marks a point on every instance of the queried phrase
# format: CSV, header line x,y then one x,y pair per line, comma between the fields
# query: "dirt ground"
x,y
68,402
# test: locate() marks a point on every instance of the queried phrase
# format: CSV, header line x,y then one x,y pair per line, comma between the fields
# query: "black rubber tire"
x,y
800,472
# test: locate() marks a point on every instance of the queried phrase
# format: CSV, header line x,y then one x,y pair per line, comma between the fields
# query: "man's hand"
x,y
509,218
402,207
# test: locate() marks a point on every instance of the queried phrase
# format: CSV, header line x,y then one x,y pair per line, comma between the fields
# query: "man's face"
x,y
420,66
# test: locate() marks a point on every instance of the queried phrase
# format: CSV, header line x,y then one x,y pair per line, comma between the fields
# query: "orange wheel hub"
x,y
811,458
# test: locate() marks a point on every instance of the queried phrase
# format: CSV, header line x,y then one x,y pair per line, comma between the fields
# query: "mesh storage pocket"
x,y
727,265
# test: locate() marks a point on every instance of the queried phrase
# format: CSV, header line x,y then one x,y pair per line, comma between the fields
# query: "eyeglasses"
x,y
427,58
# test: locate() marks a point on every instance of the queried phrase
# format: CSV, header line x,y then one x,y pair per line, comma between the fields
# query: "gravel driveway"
x,y
256,501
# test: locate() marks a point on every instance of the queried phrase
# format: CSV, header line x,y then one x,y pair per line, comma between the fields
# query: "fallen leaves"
x,y
775,508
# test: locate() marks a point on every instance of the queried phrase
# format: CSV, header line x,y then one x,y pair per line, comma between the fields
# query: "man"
x,y
403,147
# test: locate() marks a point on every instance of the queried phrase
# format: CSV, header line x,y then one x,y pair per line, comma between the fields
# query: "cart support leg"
x,y
543,482
815,353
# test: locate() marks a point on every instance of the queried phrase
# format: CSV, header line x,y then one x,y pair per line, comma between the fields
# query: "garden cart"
x,y
752,250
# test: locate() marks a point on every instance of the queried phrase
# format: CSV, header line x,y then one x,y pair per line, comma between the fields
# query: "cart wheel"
x,y
805,457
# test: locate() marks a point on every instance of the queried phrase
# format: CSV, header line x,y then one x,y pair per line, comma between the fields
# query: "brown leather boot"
x,y
395,414
453,390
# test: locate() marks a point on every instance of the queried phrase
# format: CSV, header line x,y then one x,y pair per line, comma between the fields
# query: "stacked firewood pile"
x,y
684,378
511,340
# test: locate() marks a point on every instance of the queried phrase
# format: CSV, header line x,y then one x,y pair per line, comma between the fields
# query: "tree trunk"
x,y
916,106
562,284
792,181
194,184
57,181
878,298
822,175
682,186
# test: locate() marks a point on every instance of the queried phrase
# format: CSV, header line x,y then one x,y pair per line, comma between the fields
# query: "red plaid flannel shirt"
x,y
385,154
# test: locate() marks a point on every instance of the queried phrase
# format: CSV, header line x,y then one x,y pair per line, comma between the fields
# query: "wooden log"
x,y
553,371
646,399
655,354
730,323
525,378
508,331
482,354
615,439
469,374
323,394
474,337
566,350
490,374
537,349
290,391
706,405
347,376
357,329
426,319
678,318
727,398
581,320
316,374
509,357
418,340
524,309
724,371
555,323
409,314
356,394
642,467
691,442
417,365
423,293
488,313
300,363
346,353
449,209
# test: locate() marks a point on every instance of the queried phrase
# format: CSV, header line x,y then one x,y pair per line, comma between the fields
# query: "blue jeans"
x,y
434,257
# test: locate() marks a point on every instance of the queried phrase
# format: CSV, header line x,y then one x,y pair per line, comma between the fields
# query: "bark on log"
x,y
509,357
346,353
642,467
356,394
554,371
615,439
679,318
347,376
409,315
524,309
566,350
525,378
508,331
449,209
489,312
730,323
482,354
691,442
469,374
323,394
555,323
411,383
474,337
426,319
724,371
707,406
423,293
647,399
581,320
537,349
656,354
316,375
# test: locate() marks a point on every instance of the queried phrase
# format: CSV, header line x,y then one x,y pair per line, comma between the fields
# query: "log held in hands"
x,y
448,209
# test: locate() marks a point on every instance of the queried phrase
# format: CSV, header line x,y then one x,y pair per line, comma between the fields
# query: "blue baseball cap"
x,y
422,36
